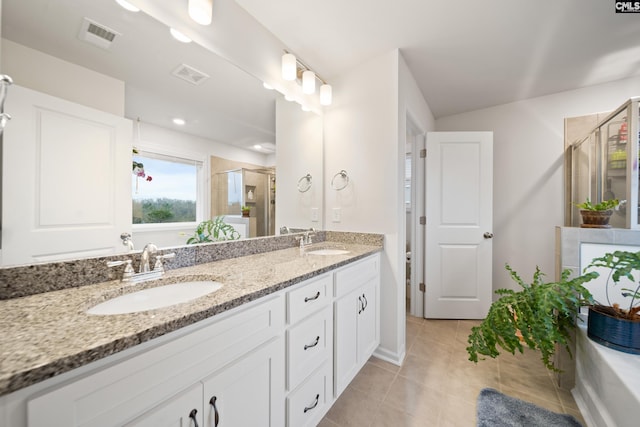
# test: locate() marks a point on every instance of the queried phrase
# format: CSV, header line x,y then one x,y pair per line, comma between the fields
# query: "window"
x,y
165,189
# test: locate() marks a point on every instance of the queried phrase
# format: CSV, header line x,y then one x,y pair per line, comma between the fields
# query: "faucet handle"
x,y
128,270
158,265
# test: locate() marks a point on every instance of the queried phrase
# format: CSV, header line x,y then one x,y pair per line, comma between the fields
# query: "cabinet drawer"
x,y
307,404
309,298
354,275
308,345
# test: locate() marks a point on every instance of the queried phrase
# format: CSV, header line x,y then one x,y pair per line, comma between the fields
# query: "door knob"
x,y
488,235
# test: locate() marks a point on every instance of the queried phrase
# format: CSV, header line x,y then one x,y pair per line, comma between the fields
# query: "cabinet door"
x,y
368,330
181,410
346,340
249,391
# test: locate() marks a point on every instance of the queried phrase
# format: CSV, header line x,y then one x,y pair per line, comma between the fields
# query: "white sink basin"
x,y
153,298
328,252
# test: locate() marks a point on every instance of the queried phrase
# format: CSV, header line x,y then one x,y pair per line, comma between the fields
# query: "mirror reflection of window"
x,y
164,189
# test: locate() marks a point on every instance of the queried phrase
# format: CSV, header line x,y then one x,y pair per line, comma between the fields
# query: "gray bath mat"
x,y
498,410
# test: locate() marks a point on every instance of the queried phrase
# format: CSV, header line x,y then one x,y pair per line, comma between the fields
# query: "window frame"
x,y
203,186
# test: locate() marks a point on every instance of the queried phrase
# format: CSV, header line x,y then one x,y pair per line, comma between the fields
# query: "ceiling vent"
x,y
97,34
190,74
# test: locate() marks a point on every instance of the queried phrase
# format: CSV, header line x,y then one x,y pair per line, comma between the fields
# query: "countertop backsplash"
x,y
34,279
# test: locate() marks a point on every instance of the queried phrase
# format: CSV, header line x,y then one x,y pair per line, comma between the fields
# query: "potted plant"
x,y
541,315
615,325
598,215
246,210
213,230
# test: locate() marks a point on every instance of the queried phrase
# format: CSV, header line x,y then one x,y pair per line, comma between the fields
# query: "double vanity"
x,y
273,341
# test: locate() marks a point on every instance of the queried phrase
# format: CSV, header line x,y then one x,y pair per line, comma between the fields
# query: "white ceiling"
x,y
230,107
464,54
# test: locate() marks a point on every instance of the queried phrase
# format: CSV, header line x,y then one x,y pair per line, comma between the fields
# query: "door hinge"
x,y
423,220
423,153
422,287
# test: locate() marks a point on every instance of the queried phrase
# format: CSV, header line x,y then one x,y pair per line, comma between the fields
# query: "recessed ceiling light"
x,y
178,121
179,36
128,6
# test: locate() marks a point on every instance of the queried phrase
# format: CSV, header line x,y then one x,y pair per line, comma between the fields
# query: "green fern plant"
x,y
540,315
213,230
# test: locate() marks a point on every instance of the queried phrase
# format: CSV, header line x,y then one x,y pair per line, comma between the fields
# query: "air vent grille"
x,y
97,34
190,74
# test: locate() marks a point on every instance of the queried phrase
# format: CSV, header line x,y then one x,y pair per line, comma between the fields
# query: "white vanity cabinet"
x,y
238,357
309,351
357,318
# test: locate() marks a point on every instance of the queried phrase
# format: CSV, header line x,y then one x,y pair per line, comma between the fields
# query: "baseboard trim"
x,y
390,356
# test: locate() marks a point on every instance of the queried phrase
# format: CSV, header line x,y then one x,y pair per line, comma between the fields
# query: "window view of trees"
x,y
154,211
164,189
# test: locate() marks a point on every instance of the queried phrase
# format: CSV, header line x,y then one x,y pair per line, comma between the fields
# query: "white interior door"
x,y
66,180
459,199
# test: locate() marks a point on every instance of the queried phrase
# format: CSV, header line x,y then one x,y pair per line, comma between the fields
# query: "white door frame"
x,y
417,142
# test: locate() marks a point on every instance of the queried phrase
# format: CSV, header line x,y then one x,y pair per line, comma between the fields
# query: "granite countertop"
x,y
46,334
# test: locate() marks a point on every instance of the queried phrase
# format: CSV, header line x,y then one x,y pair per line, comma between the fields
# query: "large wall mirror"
x,y
96,54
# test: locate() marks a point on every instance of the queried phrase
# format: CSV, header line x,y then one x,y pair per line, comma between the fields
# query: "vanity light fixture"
x,y
201,11
178,121
294,69
289,67
325,94
179,36
125,4
308,82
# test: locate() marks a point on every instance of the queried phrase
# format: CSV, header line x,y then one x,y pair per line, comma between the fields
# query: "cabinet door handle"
x,y
308,346
317,295
216,416
361,306
192,415
366,303
308,408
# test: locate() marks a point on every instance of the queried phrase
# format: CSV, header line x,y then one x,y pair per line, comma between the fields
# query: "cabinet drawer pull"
x,y
308,408
366,303
308,346
192,415
361,305
216,416
317,295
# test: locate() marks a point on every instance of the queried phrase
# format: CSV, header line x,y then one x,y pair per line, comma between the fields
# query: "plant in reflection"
x,y
213,230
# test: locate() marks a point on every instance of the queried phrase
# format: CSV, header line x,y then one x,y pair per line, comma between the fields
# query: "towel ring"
x,y
304,183
341,183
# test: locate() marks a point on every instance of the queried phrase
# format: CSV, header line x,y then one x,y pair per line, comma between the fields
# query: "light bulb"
x,y
201,11
289,67
179,36
128,6
308,82
325,94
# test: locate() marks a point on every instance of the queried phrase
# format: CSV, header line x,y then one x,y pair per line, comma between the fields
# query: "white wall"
x,y
45,73
364,133
299,142
528,170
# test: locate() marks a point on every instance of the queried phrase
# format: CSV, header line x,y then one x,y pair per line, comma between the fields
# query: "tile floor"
x,y
438,386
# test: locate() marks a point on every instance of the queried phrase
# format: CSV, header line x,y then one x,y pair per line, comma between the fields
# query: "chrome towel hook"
x,y
340,180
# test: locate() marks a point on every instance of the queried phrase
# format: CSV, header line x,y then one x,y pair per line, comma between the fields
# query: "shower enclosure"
x,y
253,188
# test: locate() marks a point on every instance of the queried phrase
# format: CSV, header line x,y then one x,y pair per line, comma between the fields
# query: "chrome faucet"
x,y
149,249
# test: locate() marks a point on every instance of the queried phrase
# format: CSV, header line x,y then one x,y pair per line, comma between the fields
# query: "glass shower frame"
x,y
604,165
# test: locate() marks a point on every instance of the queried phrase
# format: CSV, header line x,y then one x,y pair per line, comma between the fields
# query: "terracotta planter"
x,y
613,332
596,219
246,214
